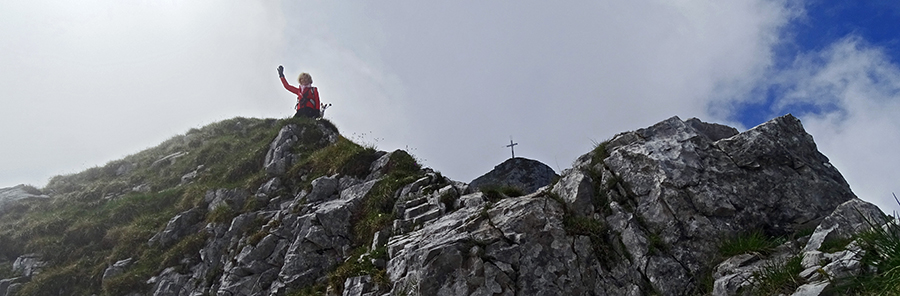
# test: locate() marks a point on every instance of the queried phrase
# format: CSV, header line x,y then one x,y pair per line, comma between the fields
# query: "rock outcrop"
x,y
642,214
522,173
18,192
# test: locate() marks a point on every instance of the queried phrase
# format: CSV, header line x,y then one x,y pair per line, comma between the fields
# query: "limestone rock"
x,y
360,286
232,198
848,219
28,265
18,192
525,174
117,268
577,190
179,226
322,189
280,157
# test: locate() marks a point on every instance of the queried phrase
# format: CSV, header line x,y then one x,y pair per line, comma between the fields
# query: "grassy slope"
x,y
96,219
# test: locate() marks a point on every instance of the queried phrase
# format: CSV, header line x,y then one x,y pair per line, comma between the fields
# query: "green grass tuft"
x,y
751,242
881,254
221,214
496,193
779,278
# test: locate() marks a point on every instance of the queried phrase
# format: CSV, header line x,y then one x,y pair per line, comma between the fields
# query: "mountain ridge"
x,y
290,207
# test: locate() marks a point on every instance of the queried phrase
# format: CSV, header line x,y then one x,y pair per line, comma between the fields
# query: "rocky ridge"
x,y
645,213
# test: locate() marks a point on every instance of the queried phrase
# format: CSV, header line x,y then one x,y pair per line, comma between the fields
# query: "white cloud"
x,y
467,75
87,82
853,90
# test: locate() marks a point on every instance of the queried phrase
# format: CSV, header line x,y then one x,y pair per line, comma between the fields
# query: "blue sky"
x,y
88,82
875,23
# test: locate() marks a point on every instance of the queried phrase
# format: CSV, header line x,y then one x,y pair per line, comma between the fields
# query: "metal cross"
x,y
511,147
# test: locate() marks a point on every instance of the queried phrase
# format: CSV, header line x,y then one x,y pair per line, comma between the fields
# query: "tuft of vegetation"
x,y
579,225
378,208
596,230
600,152
360,264
496,193
6,270
221,214
779,278
880,247
343,157
835,245
314,290
752,242
449,198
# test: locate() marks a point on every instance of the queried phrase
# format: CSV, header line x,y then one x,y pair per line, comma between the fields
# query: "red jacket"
x,y
310,90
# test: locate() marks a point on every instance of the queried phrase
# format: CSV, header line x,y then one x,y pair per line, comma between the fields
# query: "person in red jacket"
x,y
307,95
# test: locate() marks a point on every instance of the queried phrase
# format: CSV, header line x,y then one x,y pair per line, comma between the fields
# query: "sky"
x,y
83,83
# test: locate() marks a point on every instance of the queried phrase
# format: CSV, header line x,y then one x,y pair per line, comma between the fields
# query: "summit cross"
x,y
512,147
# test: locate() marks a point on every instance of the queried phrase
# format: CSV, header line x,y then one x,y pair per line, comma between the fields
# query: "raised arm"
x,y
289,87
284,82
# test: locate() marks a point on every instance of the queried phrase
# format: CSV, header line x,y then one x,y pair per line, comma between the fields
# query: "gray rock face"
x,y
18,192
179,226
577,190
117,268
320,244
848,219
280,157
525,174
668,194
28,265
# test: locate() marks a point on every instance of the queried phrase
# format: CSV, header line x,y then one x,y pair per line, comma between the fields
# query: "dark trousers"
x,y
307,112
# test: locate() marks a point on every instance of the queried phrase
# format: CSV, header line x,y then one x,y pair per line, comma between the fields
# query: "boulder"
x,y
116,269
232,198
181,225
18,192
28,265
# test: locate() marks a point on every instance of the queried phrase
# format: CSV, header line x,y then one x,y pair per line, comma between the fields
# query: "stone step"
x,y
430,215
415,202
416,211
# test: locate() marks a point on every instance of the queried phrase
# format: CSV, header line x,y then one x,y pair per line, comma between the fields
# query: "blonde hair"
x,y
305,77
